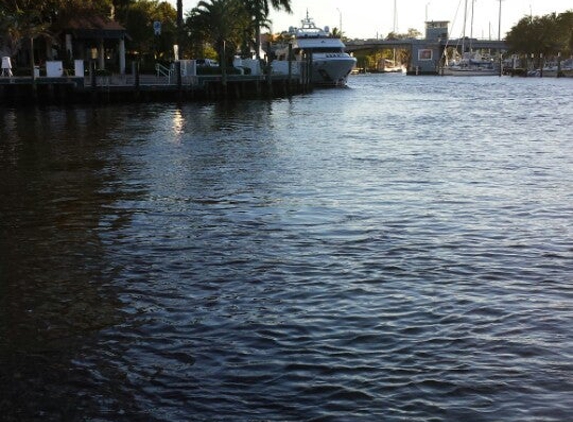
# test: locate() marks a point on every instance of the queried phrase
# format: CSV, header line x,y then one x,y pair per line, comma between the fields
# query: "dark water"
x,y
398,251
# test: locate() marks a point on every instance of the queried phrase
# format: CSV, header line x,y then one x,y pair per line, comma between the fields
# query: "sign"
x,y
157,28
425,54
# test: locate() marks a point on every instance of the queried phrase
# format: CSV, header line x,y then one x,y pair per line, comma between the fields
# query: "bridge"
x,y
425,56
373,44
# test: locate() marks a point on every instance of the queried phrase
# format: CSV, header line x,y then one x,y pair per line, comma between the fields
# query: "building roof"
x,y
95,27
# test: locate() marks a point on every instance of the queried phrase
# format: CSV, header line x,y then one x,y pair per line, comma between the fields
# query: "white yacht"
x,y
331,64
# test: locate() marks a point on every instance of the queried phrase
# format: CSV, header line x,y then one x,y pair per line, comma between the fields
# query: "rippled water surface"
x,y
401,250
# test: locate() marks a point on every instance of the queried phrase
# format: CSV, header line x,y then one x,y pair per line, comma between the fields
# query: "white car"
x,y
206,63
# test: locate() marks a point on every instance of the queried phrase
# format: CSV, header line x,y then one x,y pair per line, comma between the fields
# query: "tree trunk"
x,y
32,62
258,42
180,23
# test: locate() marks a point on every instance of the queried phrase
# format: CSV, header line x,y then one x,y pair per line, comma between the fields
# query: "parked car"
x,y
206,63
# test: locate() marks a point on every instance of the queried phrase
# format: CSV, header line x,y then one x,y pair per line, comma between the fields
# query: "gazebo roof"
x,y
95,27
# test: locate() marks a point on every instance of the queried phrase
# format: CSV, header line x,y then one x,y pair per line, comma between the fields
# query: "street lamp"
x,y
340,21
395,23
499,23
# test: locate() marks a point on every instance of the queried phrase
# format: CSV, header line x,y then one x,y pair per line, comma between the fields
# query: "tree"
x,y
139,21
565,23
31,19
336,33
222,23
401,55
411,34
542,35
259,12
167,15
122,8
20,21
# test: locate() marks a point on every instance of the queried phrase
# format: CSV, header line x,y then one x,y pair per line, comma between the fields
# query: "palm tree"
x,y
221,23
259,11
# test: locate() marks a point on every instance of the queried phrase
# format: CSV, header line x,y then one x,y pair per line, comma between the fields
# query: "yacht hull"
x,y
332,71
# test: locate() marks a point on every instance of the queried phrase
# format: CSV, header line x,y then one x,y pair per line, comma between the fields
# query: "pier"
x,y
134,87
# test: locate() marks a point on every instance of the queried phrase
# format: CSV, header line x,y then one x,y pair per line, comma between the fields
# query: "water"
x,y
401,251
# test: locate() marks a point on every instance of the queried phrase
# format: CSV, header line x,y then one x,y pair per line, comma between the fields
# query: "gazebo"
x,y
90,38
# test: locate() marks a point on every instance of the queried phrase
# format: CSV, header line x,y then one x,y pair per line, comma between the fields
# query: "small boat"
x,y
567,68
391,66
331,64
554,69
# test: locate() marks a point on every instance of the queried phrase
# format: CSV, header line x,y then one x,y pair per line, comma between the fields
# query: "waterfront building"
x,y
427,53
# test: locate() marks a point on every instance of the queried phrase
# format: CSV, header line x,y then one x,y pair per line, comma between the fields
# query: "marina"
x,y
311,57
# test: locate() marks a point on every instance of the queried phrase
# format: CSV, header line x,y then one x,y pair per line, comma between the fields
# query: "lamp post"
x,y
339,22
395,23
499,23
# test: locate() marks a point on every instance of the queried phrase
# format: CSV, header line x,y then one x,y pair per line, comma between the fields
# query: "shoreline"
x,y
23,91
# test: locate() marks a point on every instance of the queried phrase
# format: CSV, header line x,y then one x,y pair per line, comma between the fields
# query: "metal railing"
x,y
164,71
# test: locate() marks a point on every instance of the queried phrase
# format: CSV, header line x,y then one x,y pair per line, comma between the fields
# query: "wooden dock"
x,y
145,88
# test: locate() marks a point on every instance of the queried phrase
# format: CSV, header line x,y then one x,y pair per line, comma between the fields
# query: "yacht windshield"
x,y
325,49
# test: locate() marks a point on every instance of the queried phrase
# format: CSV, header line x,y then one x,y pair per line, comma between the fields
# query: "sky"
x,y
375,18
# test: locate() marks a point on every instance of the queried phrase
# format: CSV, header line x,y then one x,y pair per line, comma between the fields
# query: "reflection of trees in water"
x,y
55,277
70,183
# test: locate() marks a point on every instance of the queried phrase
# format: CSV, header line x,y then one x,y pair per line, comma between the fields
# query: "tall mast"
x,y
499,23
472,26
464,31
394,29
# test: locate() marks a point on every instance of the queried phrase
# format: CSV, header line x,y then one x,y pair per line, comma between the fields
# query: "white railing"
x,y
163,71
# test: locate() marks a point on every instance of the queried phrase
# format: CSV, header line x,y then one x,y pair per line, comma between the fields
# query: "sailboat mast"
x,y
499,23
464,30
394,29
472,25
